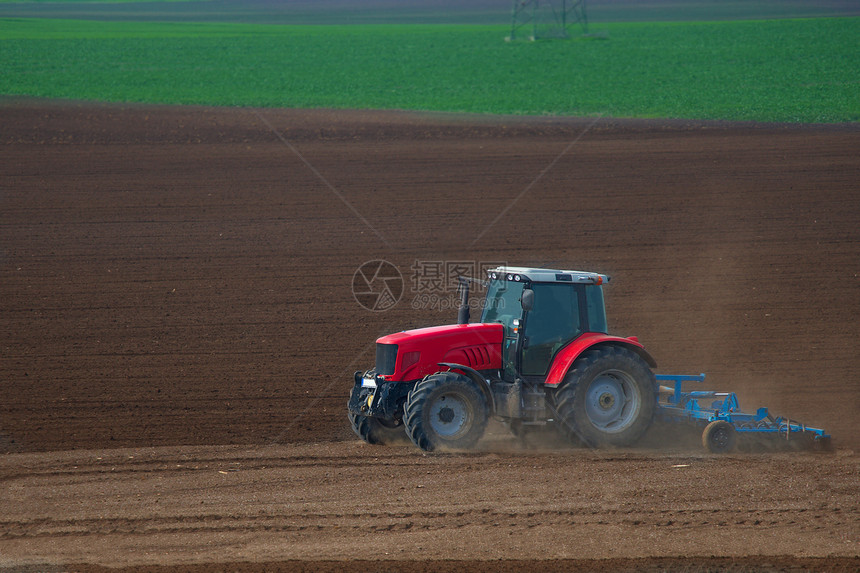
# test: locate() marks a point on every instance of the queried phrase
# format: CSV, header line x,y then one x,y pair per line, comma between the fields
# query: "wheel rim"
x,y
450,415
720,439
612,401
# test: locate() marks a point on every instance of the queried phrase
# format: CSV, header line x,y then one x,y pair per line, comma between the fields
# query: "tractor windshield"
x,y
503,303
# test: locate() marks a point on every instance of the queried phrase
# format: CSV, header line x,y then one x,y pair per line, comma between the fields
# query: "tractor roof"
x,y
522,274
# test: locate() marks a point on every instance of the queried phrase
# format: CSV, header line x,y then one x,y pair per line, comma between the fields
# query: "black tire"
x,y
445,411
608,398
376,431
719,437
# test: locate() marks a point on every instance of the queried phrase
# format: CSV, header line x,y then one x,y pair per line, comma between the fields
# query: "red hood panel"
x,y
478,346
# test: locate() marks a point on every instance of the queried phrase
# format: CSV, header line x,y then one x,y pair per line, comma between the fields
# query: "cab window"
x,y
554,321
596,309
503,304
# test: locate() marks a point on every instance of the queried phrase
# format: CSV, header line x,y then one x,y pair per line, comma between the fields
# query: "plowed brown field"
x,y
179,335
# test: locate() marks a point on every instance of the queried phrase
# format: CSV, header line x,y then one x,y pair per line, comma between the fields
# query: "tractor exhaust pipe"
x,y
463,311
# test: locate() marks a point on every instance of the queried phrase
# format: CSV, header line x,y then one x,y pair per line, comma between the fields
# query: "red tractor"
x,y
540,355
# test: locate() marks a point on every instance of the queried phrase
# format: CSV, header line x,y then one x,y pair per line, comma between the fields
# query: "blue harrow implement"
x,y
725,427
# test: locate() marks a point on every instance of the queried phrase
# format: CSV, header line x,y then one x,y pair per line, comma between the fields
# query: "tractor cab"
x,y
542,312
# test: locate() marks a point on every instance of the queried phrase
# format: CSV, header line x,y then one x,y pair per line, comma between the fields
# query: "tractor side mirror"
x,y
527,299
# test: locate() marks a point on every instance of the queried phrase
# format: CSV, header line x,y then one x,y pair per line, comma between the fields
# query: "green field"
x,y
774,70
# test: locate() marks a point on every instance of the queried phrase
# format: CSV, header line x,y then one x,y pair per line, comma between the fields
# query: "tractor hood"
x,y
413,354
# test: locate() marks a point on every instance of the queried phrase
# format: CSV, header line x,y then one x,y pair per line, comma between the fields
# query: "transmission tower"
x,y
534,19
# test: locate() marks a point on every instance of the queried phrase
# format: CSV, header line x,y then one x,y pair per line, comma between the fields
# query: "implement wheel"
x,y
608,398
375,430
445,411
719,437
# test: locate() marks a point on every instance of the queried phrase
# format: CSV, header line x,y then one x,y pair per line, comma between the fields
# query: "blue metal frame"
x,y
685,407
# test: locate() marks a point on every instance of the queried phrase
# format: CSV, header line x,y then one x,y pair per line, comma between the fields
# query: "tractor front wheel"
x,y
608,398
376,431
445,411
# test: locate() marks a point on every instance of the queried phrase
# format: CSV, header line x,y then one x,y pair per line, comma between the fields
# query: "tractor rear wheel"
x,y
375,430
719,437
445,411
608,398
